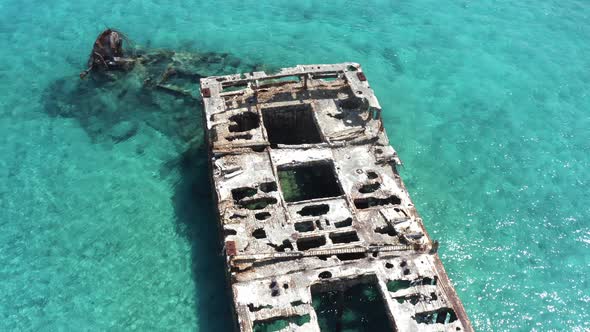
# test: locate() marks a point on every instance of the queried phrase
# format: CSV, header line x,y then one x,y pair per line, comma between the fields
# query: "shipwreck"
x,y
318,228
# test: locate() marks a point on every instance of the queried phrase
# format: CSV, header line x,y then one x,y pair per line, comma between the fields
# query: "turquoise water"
x,y
487,103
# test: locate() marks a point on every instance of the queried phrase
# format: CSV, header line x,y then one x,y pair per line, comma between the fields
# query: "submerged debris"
x,y
107,53
128,90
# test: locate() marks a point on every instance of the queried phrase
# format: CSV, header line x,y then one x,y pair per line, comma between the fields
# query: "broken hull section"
x,y
318,228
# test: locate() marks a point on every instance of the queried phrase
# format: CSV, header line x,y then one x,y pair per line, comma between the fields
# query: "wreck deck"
x,y
311,206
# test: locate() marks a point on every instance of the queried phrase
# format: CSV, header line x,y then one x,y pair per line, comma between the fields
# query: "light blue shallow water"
x,y
487,103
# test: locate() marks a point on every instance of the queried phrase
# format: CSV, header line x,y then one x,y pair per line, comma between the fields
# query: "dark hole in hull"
x,y
413,299
239,137
259,233
369,188
268,187
351,256
426,281
344,307
227,232
262,215
258,203
304,226
310,242
291,125
372,175
440,316
310,181
244,122
389,230
241,193
344,237
252,308
314,210
351,103
285,245
344,223
365,203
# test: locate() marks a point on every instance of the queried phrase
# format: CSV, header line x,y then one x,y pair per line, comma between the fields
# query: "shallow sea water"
x,y
487,104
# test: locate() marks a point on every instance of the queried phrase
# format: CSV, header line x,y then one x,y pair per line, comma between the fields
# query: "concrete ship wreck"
x,y
318,228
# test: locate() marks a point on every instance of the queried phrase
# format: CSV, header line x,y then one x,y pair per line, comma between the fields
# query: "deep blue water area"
x,y
487,103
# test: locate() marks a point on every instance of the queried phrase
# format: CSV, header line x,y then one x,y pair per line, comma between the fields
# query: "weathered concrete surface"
x,y
267,136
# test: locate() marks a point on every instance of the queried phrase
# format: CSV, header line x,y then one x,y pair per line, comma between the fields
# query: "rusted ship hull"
x,y
311,207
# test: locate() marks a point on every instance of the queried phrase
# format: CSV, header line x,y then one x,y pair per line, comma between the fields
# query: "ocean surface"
x,y
487,103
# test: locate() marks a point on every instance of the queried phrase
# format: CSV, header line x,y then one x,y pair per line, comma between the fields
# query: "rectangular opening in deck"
x,y
327,76
346,237
233,86
313,242
291,125
280,80
350,305
280,323
309,181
